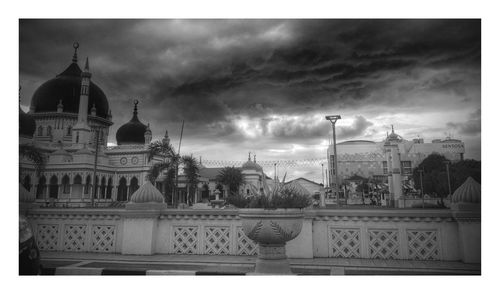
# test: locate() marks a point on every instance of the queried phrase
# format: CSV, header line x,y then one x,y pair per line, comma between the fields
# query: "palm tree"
x,y
231,177
191,169
169,163
33,154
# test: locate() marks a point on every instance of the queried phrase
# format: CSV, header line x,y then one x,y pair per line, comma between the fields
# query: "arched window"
x,y
122,190
77,180
42,187
103,188
49,131
95,189
109,189
65,184
40,131
53,187
88,185
27,183
77,189
134,185
69,131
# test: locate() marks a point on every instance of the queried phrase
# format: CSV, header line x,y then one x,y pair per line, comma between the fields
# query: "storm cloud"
x,y
236,81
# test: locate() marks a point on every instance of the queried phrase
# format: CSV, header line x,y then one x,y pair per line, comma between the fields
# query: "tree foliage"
x,y
232,177
33,154
435,178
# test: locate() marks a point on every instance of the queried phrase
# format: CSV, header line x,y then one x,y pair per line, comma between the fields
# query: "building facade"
x,y
375,160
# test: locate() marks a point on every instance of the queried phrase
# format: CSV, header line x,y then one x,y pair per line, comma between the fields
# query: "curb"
x,y
89,271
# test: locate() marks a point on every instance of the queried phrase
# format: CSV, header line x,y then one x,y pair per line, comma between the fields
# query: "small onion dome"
x,y
468,192
24,195
251,165
131,132
147,193
27,125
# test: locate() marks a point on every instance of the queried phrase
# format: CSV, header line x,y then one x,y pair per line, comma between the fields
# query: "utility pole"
x,y
447,162
422,186
333,119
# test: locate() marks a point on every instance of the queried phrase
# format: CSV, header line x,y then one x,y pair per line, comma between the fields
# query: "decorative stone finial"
x,y
93,110
87,69
147,193
249,159
75,55
468,192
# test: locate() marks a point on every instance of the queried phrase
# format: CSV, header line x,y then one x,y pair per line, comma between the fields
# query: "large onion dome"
x,y
468,192
147,193
132,132
66,87
27,124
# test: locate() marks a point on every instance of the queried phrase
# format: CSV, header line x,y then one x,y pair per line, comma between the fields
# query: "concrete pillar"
x,y
140,228
396,174
322,202
468,217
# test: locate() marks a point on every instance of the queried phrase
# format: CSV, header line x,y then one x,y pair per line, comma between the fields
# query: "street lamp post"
x,y
333,119
322,176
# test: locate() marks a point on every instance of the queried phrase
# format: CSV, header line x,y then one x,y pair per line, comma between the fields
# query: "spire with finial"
x,y
249,159
135,107
87,65
392,127
75,55
93,110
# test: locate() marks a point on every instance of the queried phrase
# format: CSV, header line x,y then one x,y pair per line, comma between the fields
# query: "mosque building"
x,y
68,122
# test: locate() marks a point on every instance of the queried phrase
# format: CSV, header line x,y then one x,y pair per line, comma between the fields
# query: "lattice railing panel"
x,y
423,245
74,237
47,237
216,240
103,238
383,243
345,243
185,240
245,246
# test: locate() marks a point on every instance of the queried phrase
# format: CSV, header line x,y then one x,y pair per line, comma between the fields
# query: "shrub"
x,y
285,197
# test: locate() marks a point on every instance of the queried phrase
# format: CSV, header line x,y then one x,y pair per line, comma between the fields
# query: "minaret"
x,y
166,139
81,131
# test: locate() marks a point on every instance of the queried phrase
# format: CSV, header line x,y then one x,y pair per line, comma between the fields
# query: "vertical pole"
x,y
422,187
322,176
448,174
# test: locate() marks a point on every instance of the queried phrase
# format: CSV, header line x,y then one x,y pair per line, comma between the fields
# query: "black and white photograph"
x,y
262,146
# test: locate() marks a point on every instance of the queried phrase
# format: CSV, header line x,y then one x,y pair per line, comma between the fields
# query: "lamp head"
x,y
332,117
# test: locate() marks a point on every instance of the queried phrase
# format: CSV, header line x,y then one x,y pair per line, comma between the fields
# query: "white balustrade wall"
x,y
413,234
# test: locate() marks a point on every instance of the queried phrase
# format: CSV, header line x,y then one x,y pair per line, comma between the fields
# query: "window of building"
x,y
40,131
384,167
69,131
86,189
49,131
406,167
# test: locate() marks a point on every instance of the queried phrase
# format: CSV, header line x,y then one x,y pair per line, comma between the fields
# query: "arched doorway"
x,y
205,197
102,194
109,190
65,186
122,190
27,183
53,187
41,189
88,187
134,185
76,191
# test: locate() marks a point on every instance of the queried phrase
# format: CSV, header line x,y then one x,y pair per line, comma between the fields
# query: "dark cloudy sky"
x,y
265,85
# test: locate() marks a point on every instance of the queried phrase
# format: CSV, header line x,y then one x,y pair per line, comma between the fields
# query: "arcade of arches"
x,y
78,189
